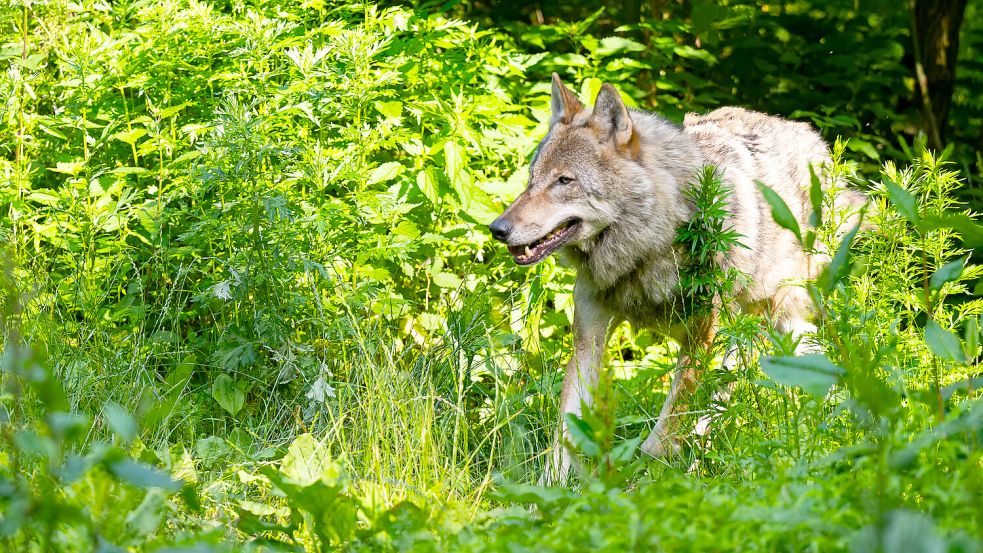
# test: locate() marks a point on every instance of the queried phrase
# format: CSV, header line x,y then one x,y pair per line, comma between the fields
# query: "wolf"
x,y
607,188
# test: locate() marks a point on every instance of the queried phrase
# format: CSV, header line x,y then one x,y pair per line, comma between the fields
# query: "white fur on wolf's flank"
x,y
630,169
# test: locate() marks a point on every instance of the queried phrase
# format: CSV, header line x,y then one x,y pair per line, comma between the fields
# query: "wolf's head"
x,y
569,198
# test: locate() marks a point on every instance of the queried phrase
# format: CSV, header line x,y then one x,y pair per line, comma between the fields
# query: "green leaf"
x,y
540,496
839,266
308,461
145,519
947,273
131,136
622,453
143,475
120,421
389,109
43,198
814,373
616,44
447,280
815,197
582,435
172,110
129,170
780,211
227,394
971,337
969,228
589,89
428,185
903,201
943,343
864,147
72,168
456,170
385,172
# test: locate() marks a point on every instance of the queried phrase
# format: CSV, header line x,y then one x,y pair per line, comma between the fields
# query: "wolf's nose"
x,y
500,229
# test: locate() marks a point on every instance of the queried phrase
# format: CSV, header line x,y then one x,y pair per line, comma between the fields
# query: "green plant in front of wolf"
x,y
862,359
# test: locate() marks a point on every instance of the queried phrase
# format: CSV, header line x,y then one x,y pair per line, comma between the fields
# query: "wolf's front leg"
x,y
590,332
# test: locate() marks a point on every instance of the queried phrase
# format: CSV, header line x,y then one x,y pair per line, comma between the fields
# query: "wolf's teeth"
x,y
528,251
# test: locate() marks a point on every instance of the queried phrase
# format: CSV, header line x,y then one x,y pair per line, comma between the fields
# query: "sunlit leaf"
x,y
943,343
780,211
814,373
227,394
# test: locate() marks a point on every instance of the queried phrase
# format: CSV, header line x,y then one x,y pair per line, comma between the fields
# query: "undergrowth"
x,y
249,303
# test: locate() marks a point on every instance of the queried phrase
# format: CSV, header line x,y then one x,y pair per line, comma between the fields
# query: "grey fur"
x,y
629,171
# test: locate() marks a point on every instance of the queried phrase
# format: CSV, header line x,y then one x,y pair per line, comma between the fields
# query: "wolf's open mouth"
x,y
533,253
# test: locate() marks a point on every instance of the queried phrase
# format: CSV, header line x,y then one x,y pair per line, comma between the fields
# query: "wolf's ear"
x,y
564,103
610,117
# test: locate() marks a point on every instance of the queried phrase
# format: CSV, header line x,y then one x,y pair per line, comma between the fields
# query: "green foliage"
x,y
707,239
251,303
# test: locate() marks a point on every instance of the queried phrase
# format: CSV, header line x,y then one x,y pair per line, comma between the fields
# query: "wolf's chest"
x,y
648,296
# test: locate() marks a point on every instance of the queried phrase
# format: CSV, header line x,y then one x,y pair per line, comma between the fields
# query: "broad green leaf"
x,y
446,280
43,198
385,172
145,519
540,496
72,168
457,172
131,136
903,201
172,110
863,147
582,435
947,273
428,185
622,453
123,425
616,44
589,89
227,394
814,373
943,343
308,461
780,211
390,109
143,475
969,228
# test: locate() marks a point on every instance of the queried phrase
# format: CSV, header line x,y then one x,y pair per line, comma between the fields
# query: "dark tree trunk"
x,y
632,14
935,36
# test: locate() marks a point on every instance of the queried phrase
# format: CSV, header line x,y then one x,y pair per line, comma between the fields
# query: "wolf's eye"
x,y
564,180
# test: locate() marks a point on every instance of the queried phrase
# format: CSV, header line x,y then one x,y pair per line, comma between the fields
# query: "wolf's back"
x,y
748,147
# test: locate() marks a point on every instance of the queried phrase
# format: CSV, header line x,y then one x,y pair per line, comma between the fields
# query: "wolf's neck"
x,y
652,205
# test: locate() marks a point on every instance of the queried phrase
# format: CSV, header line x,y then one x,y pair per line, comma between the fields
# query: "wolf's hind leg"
x,y
662,441
721,397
